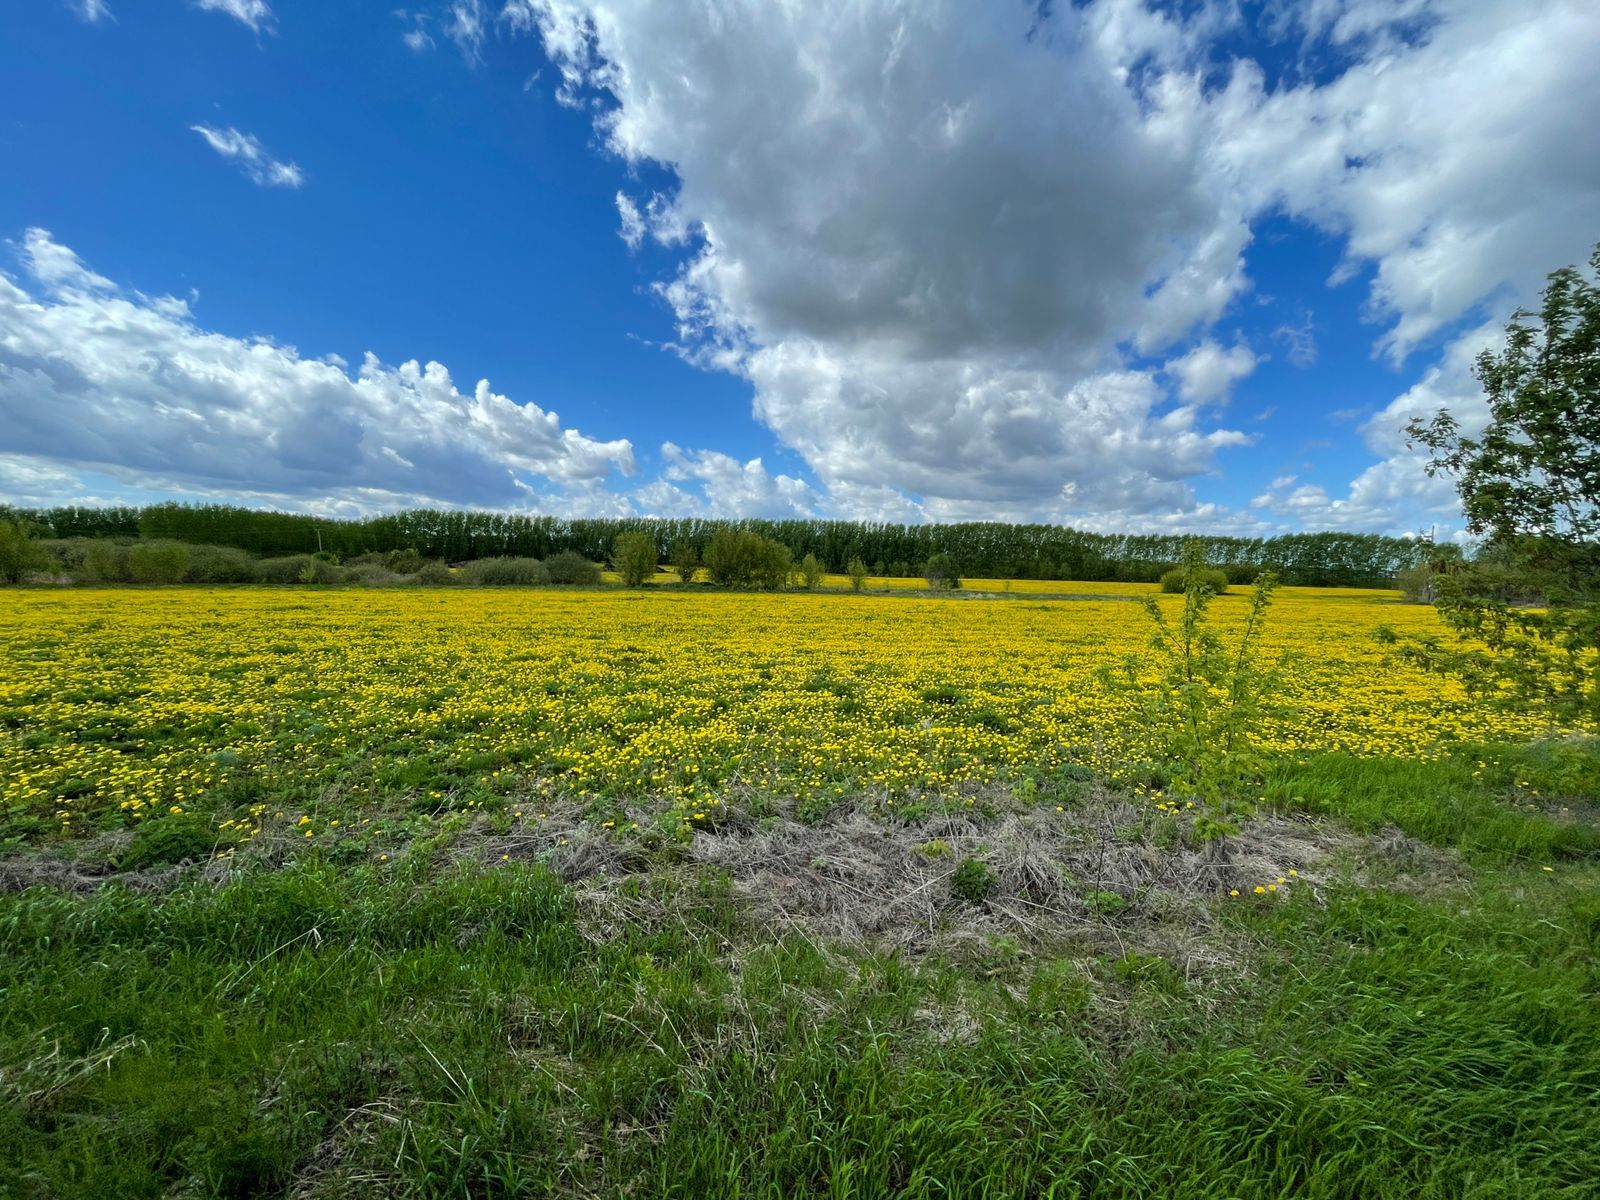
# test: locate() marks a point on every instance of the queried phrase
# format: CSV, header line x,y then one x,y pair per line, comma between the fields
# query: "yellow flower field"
x,y
137,702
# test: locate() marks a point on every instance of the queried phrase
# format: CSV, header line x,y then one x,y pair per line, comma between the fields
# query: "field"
x,y
679,892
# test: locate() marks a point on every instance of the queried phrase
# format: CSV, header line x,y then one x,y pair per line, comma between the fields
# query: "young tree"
x,y
811,572
685,560
1530,485
941,573
857,571
635,557
15,552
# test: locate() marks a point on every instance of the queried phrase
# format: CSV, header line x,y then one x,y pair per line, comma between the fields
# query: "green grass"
x,y
423,1028
1455,802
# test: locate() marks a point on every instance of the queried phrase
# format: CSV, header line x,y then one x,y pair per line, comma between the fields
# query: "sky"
x,y
1128,265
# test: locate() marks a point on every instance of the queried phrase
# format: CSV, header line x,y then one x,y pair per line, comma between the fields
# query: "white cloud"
x,y
1452,161
417,38
246,150
921,235
1207,373
465,27
729,487
95,380
91,12
633,228
256,14
931,236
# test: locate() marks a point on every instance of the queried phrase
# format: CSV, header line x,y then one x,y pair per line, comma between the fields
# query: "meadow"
x,y
326,892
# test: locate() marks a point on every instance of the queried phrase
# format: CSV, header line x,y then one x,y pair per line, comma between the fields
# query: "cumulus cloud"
x,y
935,239
1445,156
251,156
257,14
922,236
727,486
93,379
1207,373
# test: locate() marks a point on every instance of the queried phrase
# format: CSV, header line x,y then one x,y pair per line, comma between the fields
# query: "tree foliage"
x,y
634,555
857,570
941,573
1527,607
984,549
685,560
811,572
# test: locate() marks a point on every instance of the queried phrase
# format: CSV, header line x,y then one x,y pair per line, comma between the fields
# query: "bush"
x,y
811,572
635,557
435,574
505,572
1416,584
371,574
158,562
287,569
740,558
22,553
320,570
1214,578
105,562
940,572
404,562
571,567
219,564
857,571
685,560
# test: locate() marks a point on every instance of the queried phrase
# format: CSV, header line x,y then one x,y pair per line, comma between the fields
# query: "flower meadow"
x,y
119,705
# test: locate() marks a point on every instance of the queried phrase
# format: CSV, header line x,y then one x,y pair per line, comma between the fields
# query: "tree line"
x,y
977,549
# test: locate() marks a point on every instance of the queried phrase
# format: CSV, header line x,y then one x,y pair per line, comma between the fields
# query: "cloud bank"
x,y
129,387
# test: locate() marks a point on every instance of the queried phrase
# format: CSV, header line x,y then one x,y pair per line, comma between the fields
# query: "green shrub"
x,y
940,573
1200,704
1214,578
435,574
158,562
857,570
685,560
13,551
571,567
634,555
811,572
219,564
972,880
23,554
1417,584
404,562
105,562
372,574
504,572
287,569
319,569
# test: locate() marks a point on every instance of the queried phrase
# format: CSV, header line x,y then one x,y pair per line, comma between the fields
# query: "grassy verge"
x,y
428,1026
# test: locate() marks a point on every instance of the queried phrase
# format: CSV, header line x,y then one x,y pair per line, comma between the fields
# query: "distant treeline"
x,y
979,549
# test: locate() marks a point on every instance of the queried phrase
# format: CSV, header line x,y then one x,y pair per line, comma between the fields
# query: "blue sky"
x,y
1127,265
